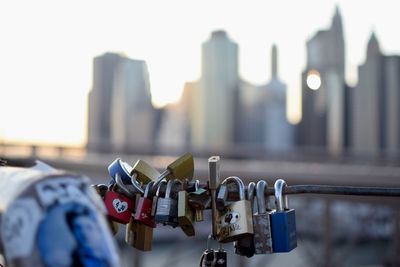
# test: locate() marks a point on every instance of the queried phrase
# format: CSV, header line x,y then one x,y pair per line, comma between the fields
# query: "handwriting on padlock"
x,y
120,206
231,218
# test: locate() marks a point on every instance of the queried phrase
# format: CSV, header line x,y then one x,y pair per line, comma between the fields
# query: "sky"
x,y
47,50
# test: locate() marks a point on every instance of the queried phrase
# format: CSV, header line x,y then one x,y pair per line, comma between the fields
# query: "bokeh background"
x,y
307,91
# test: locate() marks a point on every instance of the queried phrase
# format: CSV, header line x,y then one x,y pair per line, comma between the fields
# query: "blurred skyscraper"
x,y
99,121
375,109
392,104
121,116
227,112
323,109
262,119
214,95
279,133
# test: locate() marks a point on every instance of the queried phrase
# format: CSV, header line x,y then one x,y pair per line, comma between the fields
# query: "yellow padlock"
x,y
181,169
143,172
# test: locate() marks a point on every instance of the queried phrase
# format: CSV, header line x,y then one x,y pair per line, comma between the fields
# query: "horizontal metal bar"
x,y
339,190
318,189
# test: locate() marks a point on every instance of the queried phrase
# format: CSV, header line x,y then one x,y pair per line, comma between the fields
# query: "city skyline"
x,y
37,75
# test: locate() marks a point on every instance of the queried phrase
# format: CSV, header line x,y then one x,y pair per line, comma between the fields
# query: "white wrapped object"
x,y
52,218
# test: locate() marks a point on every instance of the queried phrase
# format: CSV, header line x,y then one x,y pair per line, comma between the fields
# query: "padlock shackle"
x,y
122,186
121,167
238,182
281,200
149,186
250,194
123,170
211,237
159,186
136,184
261,189
161,177
170,184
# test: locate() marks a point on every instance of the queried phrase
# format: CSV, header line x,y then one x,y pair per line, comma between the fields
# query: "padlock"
x,y
199,200
222,195
283,222
167,207
144,206
135,195
139,235
156,196
181,169
213,258
144,172
245,246
221,259
185,214
236,220
119,206
114,227
208,258
262,221
121,167
101,189
123,170
123,187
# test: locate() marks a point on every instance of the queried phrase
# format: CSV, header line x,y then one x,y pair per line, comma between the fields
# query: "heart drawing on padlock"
x,y
120,206
231,218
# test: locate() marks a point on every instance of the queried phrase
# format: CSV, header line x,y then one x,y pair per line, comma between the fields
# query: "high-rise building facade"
x,y
213,98
278,132
323,109
121,116
392,104
375,109
132,114
366,108
100,97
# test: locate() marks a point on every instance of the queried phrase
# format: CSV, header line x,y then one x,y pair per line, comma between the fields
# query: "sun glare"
x,y
313,80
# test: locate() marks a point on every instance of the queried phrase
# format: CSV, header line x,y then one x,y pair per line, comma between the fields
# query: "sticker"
x,y
62,190
230,218
18,230
73,234
120,206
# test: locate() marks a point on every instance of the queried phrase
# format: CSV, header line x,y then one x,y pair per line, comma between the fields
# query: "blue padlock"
x,y
120,174
283,222
121,167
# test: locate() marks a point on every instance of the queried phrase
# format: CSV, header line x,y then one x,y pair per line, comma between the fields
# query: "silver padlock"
x,y
262,222
167,207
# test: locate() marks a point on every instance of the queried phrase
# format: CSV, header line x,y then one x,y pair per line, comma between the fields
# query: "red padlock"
x,y
119,206
143,209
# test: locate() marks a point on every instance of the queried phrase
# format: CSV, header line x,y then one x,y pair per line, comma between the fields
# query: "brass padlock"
x,y
144,172
185,214
139,235
114,226
236,220
181,169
